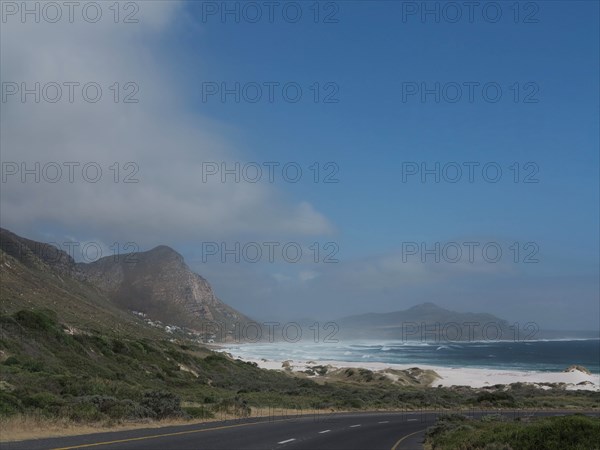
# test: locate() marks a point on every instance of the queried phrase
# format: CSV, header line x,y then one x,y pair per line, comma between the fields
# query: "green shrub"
x,y
42,400
9,404
36,320
33,366
127,409
163,404
119,346
498,398
11,361
356,403
492,418
83,412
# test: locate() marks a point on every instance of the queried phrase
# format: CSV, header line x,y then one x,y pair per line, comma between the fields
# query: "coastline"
x,y
449,376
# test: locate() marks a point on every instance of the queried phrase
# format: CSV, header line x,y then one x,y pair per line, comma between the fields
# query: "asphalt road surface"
x,y
359,431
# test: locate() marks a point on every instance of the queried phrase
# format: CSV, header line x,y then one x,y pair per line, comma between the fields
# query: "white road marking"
x,y
412,420
385,421
354,426
324,431
285,442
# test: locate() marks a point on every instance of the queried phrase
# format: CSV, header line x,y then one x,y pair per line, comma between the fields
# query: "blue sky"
x,y
369,134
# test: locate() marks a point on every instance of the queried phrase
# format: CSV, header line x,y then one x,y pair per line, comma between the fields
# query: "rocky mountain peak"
x,y
160,284
162,251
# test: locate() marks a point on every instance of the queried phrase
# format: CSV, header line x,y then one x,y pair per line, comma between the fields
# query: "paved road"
x,y
359,431
326,431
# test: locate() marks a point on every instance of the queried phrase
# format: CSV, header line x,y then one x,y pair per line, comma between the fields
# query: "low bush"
x,y
163,404
9,404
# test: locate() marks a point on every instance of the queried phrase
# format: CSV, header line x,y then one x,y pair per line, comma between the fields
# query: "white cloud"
x,y
166,141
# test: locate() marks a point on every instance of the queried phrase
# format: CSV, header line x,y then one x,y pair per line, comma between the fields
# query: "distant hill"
x,y
156,283
424,322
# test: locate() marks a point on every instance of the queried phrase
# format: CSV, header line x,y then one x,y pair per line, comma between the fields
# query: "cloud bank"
x,y
156,142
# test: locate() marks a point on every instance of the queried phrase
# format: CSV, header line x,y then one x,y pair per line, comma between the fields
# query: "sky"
x,y
317,159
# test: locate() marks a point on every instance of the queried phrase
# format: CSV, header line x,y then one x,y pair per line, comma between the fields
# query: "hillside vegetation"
x,y
575,432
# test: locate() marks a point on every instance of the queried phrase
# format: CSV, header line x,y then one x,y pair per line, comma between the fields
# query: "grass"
x,y
574,432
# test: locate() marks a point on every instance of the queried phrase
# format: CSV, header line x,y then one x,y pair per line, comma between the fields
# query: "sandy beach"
x,y
472,377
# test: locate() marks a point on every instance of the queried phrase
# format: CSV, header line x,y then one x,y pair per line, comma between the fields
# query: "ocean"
x,y
538,355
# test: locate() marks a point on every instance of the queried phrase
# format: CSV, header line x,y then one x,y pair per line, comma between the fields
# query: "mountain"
x,y
425,322
159,284
156,283
39,276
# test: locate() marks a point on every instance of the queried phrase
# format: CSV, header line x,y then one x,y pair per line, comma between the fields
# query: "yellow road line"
x,y
154,436
397,444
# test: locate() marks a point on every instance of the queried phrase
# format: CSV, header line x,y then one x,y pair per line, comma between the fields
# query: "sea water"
x,y
538,355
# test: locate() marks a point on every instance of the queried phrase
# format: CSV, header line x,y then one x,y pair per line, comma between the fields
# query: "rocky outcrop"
x,y
577,368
